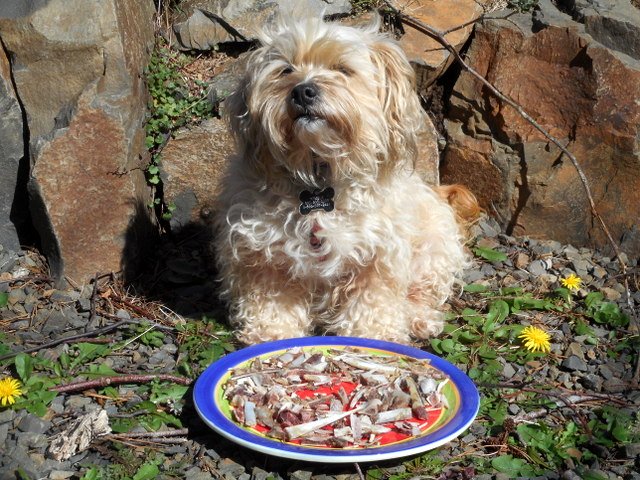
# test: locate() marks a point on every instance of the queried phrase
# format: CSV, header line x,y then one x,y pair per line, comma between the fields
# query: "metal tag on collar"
x,y
316,200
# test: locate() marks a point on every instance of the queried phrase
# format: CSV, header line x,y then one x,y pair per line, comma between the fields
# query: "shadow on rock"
x,y
175,268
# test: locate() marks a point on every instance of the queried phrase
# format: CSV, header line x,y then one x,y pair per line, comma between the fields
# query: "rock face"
x,y
203,24
580,91
77,67
11,157
429,58
193,163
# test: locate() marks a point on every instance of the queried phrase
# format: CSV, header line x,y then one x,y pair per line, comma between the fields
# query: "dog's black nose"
x,y
304,95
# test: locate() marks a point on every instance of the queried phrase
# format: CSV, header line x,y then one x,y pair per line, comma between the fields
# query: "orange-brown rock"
x,y
581,92
429,58
77,67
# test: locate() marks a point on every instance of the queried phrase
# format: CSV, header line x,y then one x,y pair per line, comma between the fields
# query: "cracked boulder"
x,y
582,92
77,66
12,212
204,24
428,57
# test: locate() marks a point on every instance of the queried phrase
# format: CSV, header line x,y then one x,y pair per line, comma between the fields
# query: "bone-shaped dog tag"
x,y
316,200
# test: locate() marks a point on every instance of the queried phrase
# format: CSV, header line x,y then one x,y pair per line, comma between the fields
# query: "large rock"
x,y
203,24
429,58
581,92
614,23
193,164
77,67
11,155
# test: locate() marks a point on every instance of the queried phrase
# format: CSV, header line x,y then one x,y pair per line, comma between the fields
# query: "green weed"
x,y
172,105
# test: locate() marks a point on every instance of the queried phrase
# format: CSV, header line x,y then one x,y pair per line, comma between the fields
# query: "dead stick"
x,y
28,278
118,380
71,338
162,433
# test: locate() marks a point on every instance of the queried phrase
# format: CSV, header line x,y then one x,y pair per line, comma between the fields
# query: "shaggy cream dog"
x,y
323,223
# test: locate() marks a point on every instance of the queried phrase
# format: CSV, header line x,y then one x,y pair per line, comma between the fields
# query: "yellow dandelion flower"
x,y
535,339
572,282
9,389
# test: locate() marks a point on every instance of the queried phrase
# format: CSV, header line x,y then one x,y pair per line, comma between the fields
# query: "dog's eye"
x,y
344,70
286,70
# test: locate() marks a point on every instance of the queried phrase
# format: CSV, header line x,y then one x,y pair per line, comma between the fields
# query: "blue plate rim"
x,y
204,391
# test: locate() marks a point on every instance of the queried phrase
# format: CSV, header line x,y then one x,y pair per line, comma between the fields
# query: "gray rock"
x,y
61,474
227,466
209,23
632,450
32,440
17,295
574,363
513,409
606,372
63,296
7,416
508,371
300,475
14,206
34,424
539,267
592,382
614,385
56,322
4,430
94,60
123,314
197,474
575,349
259,474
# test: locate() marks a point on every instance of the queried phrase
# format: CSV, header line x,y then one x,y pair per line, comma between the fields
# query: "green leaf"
x,y
148,471
592,475
101,370
91,474
465,336
592,298
24,366
448,345
123,425
166,392
487,352
490,254
153,169
4,299
507,464
475,288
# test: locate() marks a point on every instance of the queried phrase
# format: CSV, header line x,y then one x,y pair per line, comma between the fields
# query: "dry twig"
x,y
118,380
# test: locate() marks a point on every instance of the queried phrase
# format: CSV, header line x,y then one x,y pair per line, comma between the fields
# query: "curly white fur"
x,y
385,259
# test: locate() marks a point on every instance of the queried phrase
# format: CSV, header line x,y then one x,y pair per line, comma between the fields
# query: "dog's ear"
x,y
401,105
246,133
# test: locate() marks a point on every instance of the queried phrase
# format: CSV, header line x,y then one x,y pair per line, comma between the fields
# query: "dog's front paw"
x,y
428,325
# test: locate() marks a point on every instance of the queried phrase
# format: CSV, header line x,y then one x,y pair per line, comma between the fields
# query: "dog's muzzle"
x,y
303,98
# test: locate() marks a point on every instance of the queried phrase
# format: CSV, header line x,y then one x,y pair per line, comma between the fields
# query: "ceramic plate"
x,y
461,393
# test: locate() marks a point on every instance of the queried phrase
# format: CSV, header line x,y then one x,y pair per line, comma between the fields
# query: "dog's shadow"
x,y
175,268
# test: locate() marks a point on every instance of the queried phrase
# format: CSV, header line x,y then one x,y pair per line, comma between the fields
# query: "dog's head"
x,y
318,92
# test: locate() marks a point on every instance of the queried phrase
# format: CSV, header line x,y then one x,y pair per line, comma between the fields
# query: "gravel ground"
x,y
180,286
